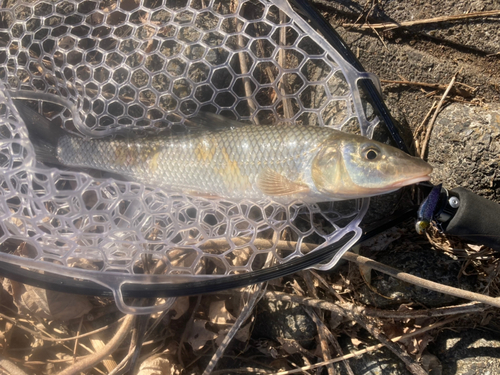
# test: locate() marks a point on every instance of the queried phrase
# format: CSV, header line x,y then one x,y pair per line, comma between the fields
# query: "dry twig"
x,y
436,112
307,247
317,316
467,308
416,135
109,348
394,25
11,368
466,93
338,308
410,363
460,293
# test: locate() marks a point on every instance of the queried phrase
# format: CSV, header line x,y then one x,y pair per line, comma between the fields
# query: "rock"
x,y
413,54
276,320
379,362
464,149
468,352
426,263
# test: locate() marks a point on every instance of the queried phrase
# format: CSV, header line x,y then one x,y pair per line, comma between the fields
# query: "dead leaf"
x,y
417,344
180,306
393,329
243,334
200,335
405,307
48,304
267,347
293,347
156,365
218,313
242,256
475,247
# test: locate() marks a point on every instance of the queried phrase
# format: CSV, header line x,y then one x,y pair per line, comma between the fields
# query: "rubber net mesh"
x,y
96,67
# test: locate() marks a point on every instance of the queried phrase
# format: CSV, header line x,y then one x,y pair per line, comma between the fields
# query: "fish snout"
x,y
413,170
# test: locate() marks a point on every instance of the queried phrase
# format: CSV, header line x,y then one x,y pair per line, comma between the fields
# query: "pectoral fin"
x,y
274,184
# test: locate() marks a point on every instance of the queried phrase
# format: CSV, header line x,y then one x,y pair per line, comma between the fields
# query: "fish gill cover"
x,y
98,67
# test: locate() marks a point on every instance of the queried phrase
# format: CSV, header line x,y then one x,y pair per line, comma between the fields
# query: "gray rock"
x,y
464,149
469,352
426,263
277,320
379,362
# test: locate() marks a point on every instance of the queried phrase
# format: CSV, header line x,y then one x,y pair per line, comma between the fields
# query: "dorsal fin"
x,y
207,121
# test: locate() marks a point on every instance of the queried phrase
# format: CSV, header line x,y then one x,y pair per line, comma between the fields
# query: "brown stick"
x,y
433,86
468,308
317,316
436,112
75,347
307,247
109,348
339,308
11,368
245,313
457,17
327,285
460,293
417,135
338,348
322,336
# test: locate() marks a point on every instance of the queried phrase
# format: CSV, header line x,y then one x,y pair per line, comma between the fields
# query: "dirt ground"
x,y
430,53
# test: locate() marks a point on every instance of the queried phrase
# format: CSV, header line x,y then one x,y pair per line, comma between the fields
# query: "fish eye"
x,y
371,153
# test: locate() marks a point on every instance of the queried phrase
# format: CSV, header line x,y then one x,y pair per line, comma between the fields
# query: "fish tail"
x,y
43,134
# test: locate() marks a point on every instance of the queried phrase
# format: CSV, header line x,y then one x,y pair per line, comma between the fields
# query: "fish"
x,y
238,161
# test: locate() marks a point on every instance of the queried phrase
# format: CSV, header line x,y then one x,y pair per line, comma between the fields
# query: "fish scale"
x,y
224,163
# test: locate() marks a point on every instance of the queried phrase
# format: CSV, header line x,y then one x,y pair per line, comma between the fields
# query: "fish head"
x,y
351,166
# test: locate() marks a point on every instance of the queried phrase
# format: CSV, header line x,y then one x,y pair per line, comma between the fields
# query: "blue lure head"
x,y
428,209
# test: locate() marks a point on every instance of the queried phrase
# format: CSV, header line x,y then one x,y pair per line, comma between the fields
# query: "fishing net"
x,y
98,67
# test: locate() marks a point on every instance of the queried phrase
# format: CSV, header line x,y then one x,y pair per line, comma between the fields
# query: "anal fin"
x,y
275,184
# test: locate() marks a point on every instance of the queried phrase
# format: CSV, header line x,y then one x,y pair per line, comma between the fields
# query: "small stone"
x,y
379,362
277,320
467,352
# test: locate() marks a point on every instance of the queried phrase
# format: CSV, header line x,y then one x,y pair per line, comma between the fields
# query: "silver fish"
x,y
244,161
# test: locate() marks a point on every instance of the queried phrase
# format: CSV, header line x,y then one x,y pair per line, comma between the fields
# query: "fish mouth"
x,y
411,181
